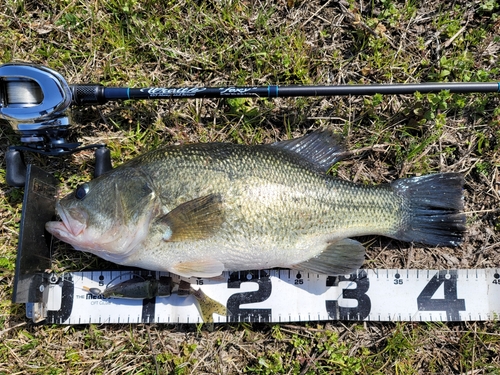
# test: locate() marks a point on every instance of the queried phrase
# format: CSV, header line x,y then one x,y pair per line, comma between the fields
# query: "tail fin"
x,y
435,205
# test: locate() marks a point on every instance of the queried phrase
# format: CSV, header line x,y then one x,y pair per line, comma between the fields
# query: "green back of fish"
x,y
269,191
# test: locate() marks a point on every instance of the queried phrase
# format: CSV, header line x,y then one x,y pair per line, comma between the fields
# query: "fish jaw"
x,y
72,227
115,244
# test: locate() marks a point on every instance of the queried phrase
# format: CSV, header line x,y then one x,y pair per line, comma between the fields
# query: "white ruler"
x,y
287,296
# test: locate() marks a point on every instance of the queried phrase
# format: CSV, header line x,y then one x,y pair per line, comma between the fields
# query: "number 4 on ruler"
x,y
450,303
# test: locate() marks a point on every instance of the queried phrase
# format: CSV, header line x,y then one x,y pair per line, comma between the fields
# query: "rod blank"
x,y
97,94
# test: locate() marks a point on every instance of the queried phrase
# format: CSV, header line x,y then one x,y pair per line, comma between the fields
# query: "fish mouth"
x,y
72,229
76,229
73,223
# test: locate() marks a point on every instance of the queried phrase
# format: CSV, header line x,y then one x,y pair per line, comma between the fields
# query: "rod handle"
x,y
88,94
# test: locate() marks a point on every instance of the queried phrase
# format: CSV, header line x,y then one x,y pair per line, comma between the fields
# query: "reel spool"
x,y
35,101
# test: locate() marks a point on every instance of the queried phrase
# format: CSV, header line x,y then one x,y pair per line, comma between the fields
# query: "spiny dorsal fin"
x,y
322,148
194,220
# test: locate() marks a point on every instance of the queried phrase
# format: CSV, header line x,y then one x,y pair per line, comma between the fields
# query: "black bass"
x,y
200,209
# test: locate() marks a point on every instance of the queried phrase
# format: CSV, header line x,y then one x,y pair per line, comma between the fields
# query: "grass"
x,y
216,43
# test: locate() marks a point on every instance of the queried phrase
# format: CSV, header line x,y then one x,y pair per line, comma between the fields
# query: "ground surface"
x,y
215,43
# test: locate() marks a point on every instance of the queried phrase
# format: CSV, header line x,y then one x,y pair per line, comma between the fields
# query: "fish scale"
x,y
321,194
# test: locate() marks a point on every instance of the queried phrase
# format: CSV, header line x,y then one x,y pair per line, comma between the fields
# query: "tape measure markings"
x,y
289,295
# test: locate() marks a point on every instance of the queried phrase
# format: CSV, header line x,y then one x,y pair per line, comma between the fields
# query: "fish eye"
x,y
81,191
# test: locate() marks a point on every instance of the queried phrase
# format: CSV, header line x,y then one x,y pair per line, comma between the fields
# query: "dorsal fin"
x,y
322,148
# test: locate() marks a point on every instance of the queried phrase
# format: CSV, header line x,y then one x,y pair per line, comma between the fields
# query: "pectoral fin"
x,y
194,220
339,258
199,268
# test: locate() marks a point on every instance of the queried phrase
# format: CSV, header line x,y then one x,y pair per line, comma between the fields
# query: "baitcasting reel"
x,y
35,101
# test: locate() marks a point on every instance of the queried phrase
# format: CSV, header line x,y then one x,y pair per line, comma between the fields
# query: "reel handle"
x,y
15,173
102,161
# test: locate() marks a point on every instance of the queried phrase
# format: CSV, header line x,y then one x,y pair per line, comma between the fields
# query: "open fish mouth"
x,y
111,242
72,224
73,229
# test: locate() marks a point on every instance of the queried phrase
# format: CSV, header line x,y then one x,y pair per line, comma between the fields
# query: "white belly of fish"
x,y
209,258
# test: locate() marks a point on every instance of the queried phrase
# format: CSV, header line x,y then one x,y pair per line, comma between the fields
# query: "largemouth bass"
x,y
200,209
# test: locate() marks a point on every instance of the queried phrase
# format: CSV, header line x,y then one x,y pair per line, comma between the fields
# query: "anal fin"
x,y
199,268
339,258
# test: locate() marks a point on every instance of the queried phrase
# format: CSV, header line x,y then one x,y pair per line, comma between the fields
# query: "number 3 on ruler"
x,y
450,303
362,310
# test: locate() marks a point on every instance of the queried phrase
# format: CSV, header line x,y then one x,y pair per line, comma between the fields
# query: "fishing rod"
x,y
36,100
96,94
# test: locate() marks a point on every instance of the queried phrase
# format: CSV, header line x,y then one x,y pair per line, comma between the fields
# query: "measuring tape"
x,y
279,296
